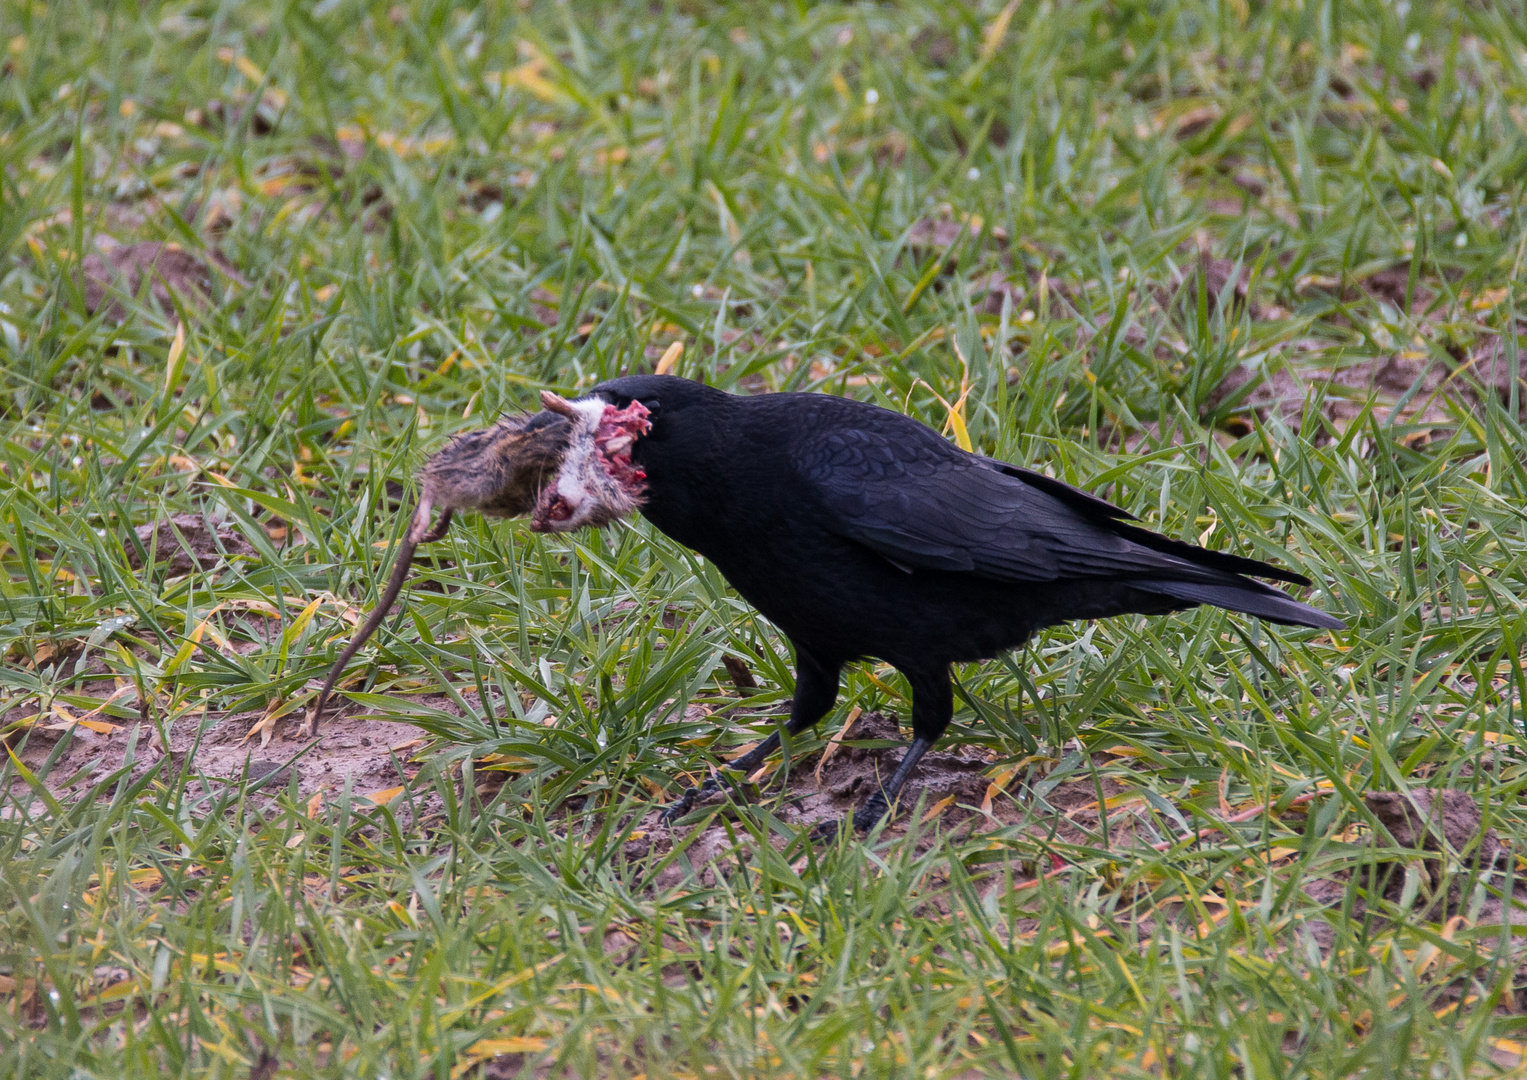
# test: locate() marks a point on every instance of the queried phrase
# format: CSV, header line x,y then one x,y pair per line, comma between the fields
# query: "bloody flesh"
x,y
597,482
618,431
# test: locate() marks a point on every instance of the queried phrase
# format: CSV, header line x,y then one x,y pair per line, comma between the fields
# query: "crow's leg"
x,y
816,688
875,806
932,709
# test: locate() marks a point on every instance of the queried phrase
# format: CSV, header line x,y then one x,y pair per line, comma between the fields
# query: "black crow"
x,y
860,532
857,531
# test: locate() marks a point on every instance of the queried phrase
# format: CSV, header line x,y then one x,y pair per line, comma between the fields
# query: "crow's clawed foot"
x,y
869,815
692,795
863,820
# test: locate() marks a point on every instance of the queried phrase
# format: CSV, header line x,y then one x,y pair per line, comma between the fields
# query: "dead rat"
x,y
568,466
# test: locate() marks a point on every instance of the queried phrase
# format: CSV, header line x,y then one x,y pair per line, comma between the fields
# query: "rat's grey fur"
x,y
498,471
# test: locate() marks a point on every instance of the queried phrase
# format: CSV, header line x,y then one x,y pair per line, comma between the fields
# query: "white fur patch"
x,y
583,492
572,478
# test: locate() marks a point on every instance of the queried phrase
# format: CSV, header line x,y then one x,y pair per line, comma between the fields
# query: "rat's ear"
x,y
544,418
556,404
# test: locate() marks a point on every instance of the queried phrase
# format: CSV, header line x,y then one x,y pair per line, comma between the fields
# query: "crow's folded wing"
x,y
923,504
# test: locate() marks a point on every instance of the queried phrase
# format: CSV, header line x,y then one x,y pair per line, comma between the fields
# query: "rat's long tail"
x,y
418,533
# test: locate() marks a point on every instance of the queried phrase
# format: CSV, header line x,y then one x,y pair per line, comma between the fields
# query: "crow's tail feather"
x,y
1252,598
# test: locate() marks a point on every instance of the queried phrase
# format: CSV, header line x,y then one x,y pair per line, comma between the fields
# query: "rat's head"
x,y
567,466
597,481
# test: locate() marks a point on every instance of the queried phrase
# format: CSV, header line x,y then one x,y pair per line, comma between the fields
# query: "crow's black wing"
x,y
923,504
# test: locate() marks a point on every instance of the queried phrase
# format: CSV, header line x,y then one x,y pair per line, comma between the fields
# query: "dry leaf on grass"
x,y
837,740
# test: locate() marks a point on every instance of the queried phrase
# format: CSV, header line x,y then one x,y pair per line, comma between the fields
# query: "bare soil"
x,y
186,542
1281,391
170,270
363,752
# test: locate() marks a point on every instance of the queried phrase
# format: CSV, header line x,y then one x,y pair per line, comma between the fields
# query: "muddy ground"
x,y
372,756
959,788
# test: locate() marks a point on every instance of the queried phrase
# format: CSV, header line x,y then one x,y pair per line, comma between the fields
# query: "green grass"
x,y
437,211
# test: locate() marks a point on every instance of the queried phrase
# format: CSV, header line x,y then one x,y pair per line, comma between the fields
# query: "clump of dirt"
x,y
1391,283
989,291
361,751
1389,378
938,233
934,47
169,268
1217,273
1490,365
1428,820
263,115
1282,391
943,234
815,793
1276,392
1446,822
188,542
